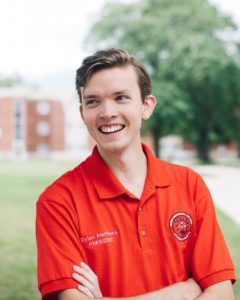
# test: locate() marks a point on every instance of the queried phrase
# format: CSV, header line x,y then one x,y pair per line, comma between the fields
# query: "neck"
x,y
124,160
129,166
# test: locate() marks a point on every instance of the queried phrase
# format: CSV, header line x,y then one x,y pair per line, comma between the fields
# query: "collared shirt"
x,y
133,245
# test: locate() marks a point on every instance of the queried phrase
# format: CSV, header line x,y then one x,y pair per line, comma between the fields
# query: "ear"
x,y
81,112
148,107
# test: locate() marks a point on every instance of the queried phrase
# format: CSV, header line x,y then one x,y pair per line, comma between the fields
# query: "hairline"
x,y
91,72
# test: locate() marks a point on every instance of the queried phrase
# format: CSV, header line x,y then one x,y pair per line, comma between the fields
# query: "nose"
x,y
108,110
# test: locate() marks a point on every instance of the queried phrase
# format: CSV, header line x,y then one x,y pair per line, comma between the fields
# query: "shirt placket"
x,y
142,226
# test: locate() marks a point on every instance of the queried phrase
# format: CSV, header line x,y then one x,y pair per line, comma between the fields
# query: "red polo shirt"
x,y
133,245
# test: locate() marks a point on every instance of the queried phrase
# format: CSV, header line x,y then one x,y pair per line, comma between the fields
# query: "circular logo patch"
x,y
181,225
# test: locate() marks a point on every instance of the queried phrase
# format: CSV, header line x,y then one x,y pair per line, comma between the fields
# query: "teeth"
x,y
110,129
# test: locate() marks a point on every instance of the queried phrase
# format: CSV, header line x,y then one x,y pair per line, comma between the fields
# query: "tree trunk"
x,y
156,136
203,146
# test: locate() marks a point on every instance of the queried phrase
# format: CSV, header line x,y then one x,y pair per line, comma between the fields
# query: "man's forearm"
x,y
187,290
219,291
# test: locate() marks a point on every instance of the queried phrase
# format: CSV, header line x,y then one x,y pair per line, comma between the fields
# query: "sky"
x,y
42,37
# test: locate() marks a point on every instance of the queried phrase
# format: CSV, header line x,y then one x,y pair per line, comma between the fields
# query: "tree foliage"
x,y
191,51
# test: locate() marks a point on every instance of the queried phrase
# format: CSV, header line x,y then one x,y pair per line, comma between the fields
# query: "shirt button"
x,y
143,233
140,209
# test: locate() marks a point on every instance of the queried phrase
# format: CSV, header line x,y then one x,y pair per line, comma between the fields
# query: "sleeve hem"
x,y
57,285
217,277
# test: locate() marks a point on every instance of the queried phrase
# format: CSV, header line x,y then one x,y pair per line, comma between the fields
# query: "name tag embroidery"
x,y
97,239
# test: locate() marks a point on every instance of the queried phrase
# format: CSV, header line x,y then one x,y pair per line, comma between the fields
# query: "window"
x,y
43,128
43,108
18,120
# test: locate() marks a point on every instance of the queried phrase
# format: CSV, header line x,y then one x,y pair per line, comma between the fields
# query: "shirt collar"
x,y
106,183
157,171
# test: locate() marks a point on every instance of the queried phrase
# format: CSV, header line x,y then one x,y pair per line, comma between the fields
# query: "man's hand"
x,y
89,286
88,281
186,290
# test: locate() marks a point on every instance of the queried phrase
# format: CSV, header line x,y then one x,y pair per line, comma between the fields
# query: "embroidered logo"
x,y
181,225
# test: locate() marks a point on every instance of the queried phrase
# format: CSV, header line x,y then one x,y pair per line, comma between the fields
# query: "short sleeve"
x,y
58,246
211,262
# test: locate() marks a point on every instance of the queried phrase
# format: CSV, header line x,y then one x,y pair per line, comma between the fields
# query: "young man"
x,y
141,227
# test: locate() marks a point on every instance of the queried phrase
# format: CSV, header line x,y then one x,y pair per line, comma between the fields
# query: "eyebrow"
x,y
121,92
94,96
89,96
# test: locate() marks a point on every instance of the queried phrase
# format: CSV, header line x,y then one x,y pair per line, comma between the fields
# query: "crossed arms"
x,y
88,288
180,291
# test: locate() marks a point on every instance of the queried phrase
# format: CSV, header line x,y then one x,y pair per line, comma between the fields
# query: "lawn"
x,y
20,184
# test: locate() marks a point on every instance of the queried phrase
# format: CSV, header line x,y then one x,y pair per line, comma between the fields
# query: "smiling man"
x,y
141,228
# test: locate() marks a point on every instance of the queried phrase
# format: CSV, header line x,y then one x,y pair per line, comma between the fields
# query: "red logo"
x,y
181,225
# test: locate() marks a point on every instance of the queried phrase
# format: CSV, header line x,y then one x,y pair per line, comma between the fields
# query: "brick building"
x,y
30,126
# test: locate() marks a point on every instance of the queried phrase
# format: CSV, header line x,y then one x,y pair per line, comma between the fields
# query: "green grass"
x,y
226,162
232,163
20,185
231,232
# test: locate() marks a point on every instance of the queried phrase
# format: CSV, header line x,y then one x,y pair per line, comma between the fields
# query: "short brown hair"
x,y
110,58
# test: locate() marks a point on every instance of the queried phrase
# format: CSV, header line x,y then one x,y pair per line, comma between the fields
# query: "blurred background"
x,y
191,49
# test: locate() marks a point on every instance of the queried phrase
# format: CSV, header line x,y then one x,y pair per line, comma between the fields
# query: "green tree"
x,y
211,79
190,51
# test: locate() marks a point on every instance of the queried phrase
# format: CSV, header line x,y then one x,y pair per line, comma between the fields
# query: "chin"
x,y
112,147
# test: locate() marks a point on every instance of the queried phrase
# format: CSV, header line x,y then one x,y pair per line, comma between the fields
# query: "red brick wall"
x,y
57,121
55,139
6,124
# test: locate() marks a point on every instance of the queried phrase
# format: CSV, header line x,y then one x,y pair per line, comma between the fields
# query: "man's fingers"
x,y
87,278
83,281
87,268
87,273
85,291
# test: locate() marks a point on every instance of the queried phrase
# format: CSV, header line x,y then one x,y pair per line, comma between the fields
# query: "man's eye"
x,y
121,97
91,103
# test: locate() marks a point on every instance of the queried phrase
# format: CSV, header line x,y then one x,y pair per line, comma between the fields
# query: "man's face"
x,y
112,108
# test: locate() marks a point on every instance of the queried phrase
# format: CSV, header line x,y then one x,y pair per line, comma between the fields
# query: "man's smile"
x,y
107,129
